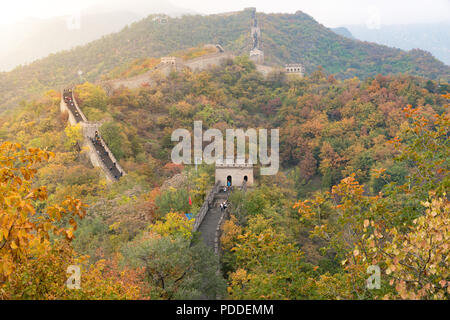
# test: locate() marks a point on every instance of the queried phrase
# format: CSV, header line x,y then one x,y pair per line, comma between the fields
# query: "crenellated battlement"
x,y
295,68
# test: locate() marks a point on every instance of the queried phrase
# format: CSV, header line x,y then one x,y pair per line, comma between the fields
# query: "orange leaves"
x,y
69,233
409,111
302,204
21,233
25,246
305,209
348,186
40,193
379,173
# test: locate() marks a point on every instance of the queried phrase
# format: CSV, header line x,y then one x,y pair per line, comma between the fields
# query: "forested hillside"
x,y
287,38
363,181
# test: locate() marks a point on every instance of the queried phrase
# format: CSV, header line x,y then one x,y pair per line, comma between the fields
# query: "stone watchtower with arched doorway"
x,y
235,173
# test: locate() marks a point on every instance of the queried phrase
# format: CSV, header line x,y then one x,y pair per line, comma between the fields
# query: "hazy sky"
x,y
328,12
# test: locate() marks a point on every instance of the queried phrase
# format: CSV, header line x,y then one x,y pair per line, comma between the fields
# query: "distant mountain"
x,y
140,7
36,38
286,38
434,38
32,38
342,31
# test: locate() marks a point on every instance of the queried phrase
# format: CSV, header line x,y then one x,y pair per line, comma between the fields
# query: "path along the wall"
x,y
164,69
210,221
210,218
98,151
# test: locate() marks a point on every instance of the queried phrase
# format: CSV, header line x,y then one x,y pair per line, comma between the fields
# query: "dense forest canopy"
x,y
363,181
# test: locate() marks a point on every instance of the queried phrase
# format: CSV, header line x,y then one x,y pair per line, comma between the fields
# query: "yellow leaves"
x,y
230,231
28,209
13,245
74,135
4,233
40,193
6,266
69,234
366,223
54,213
417,258
115,226
240,275
22,236
26,174
173,224
8,201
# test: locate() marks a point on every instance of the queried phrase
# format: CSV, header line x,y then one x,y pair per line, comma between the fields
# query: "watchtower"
x,y
257,56
256,53
295,68
161,19
235,173
169,60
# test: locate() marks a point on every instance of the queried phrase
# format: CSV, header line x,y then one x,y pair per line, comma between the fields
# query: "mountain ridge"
x,y
286,38
431,37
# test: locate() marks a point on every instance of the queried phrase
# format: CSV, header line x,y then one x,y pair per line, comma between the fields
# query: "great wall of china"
x,y
209,218
98,152
170,64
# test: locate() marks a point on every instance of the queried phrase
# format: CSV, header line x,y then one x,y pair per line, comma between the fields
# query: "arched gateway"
x,y
235,173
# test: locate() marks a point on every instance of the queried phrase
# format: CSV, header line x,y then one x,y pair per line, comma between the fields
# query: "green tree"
x,y
174,269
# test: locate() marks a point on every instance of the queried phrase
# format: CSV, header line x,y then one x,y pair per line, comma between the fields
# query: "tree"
x,y
307,166
115,139
175,269
35,248
172,200
174,224
416,262
74,136
412,251
92,96
22,228
267,265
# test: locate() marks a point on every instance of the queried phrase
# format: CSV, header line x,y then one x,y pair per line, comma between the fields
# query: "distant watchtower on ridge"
x,y
256,53
295,68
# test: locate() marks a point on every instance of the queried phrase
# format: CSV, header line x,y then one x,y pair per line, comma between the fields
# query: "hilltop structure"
x,y
170,64
216,57
161,19
257,53
169,60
